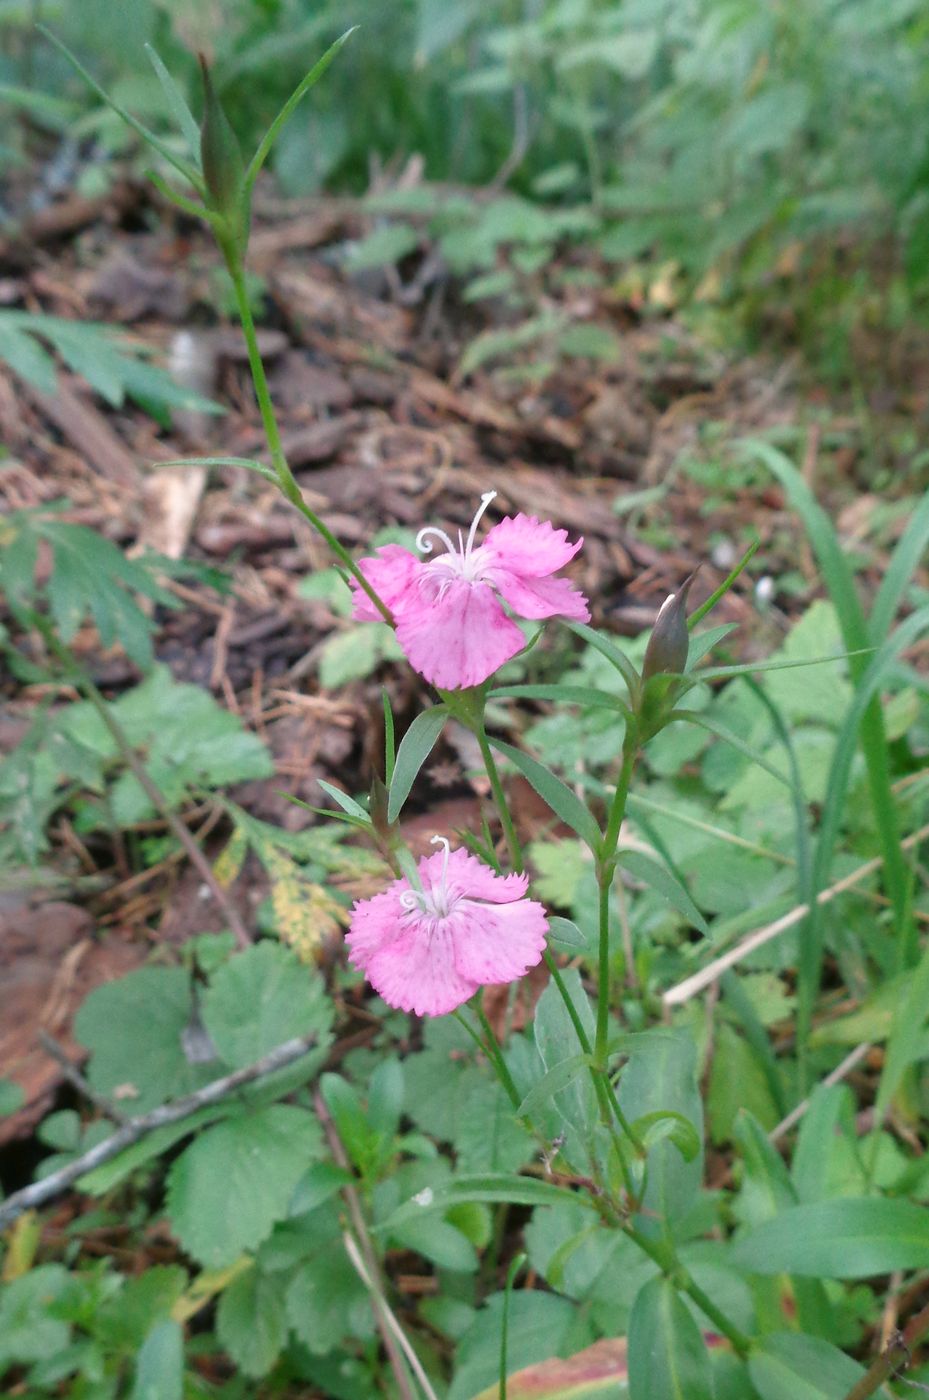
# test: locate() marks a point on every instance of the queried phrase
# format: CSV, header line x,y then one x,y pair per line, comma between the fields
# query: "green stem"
x,y
606,866
503,810
285,477
666,1258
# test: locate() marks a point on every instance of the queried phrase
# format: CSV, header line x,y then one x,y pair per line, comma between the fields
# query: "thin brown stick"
x,y
894,1358
135,1128
74,1076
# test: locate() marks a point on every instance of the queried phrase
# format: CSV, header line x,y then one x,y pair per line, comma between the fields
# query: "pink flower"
x,y
428,950
449,610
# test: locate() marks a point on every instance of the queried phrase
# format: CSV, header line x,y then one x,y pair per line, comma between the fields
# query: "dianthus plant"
x,y
464,917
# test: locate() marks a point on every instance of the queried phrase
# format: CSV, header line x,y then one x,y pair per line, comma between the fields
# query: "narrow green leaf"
x,y
856,635
489,1187
584,695
559,797
907,1041
26,357
182,113
390,747
348,804
908,554
844,1238
267,472
613,654
284,115
668,1359
558,1077
720,732
664,1125
706,641
187,170
566,933
704,608
415,747
659,878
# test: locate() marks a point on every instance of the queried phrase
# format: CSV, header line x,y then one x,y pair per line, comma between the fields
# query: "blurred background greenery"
x,y
767,159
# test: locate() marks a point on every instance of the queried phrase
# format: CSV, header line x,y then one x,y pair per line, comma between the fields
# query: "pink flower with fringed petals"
x,y
449,611
428,950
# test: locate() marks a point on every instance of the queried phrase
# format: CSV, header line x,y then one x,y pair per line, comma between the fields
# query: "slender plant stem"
x,y
503,809
501,1065
285,477
664,1253
606,866
665,1256
151,789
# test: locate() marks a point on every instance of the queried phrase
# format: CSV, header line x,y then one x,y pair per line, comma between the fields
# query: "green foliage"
x,y
89,577
668,1359
114,366
729,146
191,744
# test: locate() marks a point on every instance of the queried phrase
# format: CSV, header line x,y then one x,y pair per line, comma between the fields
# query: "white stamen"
x,y
443,841
465,547
434,900
486,499
422,539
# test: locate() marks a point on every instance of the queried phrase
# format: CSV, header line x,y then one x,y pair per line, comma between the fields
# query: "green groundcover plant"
x,y
290,1184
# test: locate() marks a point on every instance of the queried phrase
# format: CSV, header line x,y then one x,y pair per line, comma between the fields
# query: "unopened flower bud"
x,y
669,643
221,158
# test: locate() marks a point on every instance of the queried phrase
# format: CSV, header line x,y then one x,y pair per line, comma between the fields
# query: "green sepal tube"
x,y
223,172
665,659
669,643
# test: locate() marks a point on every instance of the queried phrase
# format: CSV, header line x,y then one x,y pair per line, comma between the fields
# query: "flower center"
x,y
436,901
462,560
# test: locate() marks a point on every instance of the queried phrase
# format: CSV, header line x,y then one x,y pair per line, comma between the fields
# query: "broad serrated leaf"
x,y
251,1322
159,1368
29,1329
326,1300
227,1190
259,999
133,1028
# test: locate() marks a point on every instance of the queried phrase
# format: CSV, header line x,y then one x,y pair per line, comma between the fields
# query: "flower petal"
x,y
469,876
392,573
529,547
416,971
541,597
498,944
460,638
